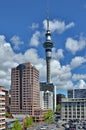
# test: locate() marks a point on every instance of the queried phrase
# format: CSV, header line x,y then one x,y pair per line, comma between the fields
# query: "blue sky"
x,y
22,34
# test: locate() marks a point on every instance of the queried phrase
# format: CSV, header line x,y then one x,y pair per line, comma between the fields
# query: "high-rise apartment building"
x,y
7,105
6,95
25,90
2,109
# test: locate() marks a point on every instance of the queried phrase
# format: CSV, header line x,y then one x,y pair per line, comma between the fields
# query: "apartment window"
x,y
69,112
78,112
78,109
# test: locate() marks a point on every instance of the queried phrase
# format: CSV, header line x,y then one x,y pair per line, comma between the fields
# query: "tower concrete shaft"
x,y
48,70
48,45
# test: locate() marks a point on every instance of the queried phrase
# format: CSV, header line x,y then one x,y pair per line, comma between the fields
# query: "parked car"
x,y
43,127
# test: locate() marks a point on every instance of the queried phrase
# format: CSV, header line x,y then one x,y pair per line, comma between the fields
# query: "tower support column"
x,y
48,70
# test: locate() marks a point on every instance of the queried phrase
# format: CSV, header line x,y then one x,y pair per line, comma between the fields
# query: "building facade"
x,y
25,90
76,93
74,106
2,109
59,97
6,95
47,96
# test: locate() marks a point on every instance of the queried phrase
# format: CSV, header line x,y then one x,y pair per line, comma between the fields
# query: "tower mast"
x,y
48,45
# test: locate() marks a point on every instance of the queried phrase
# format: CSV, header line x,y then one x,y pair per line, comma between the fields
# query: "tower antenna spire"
x,y
47,15
47,23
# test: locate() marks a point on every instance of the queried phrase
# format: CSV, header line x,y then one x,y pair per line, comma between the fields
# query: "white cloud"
x,y
57,54
81,84
55,64
61,75
77,61
58,26
16,42
6,83
2,39
76,77
65,73
35,39
6,51
31,55
34,26
2,73
9,59
63,85
73,45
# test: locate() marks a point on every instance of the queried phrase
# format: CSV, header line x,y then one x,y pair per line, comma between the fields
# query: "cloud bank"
x,y
62,75
74,46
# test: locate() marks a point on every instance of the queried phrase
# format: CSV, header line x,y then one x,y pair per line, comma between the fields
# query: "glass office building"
x,y
77,93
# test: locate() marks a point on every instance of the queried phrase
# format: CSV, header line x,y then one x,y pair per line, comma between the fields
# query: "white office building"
x,y
47,96
74,107
46,100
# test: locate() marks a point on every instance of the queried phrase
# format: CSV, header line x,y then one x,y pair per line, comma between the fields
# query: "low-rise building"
x,y
74,106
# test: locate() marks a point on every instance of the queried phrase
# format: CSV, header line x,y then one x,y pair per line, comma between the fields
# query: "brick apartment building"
x,y
25,90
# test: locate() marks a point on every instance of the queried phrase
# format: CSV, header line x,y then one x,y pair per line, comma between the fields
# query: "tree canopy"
x,y
49,116
16,125
28,121
58,107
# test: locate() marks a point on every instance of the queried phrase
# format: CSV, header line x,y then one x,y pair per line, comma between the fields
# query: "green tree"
x,y
28,121
17,125
58,107
49,116
8,115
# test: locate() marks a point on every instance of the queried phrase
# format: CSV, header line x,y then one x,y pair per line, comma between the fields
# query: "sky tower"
x,y
48,45
47,89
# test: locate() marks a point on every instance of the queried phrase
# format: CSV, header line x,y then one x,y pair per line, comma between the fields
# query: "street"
x,y
51,126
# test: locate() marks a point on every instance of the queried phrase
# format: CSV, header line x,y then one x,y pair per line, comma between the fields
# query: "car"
x,y
43,128
53,122
53,129
57,126
45,125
